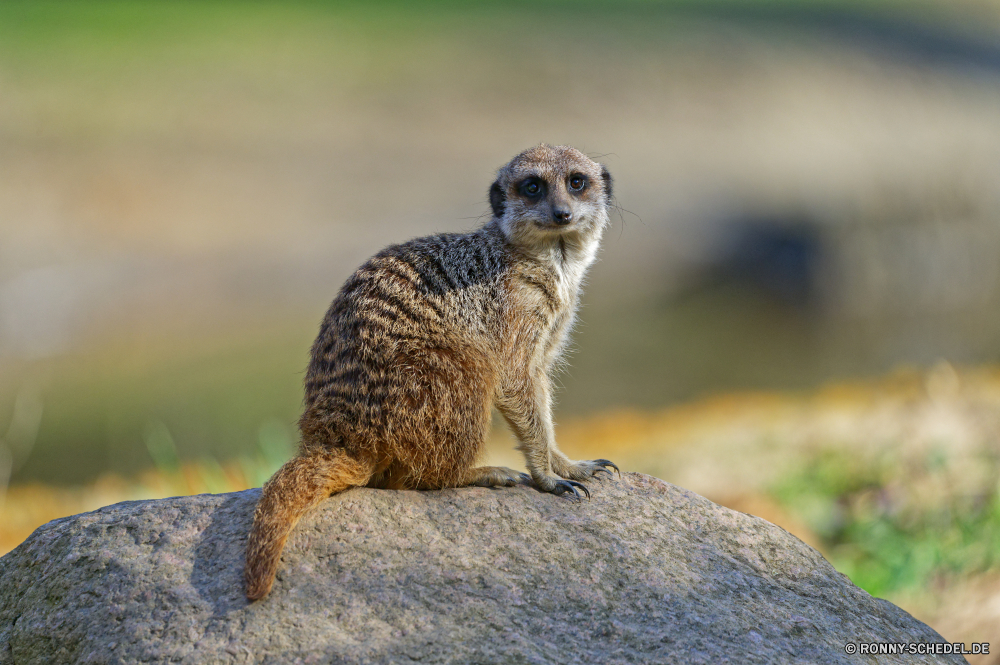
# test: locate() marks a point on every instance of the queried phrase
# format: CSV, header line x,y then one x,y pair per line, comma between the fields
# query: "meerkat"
x,y
428,336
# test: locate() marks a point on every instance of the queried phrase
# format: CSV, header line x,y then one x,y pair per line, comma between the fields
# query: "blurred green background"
x,y
809,193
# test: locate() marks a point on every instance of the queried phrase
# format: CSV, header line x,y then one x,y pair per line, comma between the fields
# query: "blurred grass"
x,y
159,45
99,408
881,536
26,506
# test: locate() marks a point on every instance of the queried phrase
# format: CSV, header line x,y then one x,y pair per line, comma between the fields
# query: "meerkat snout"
x,y
562,211
562,216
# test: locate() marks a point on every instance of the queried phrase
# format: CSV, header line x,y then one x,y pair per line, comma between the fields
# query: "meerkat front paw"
x,y
583,469
556,486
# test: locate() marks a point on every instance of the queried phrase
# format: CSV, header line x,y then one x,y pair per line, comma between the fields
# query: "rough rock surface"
x,y
646,572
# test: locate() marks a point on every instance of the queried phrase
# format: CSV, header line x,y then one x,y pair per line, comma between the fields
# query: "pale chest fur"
x,y
544,296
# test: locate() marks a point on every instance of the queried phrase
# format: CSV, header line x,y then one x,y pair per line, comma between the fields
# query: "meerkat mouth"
x,y
552,225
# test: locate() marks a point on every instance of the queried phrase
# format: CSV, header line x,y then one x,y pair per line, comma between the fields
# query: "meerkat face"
x,y
551,191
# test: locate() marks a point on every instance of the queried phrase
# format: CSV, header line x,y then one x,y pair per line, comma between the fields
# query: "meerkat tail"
x,y
297,487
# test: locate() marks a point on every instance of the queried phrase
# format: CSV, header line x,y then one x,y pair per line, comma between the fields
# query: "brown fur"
x,y
426,337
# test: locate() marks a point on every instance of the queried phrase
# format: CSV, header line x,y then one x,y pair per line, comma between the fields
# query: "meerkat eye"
x,y
531,187
577,182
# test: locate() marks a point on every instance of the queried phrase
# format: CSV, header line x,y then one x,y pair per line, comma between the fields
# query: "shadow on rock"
x,y
217,581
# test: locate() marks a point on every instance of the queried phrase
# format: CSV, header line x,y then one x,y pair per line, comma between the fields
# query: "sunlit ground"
x,y
895,481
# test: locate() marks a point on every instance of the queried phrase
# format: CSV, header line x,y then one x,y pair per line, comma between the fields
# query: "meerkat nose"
x,y
562,215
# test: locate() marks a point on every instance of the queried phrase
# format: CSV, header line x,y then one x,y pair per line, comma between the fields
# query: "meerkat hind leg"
x,y
493,476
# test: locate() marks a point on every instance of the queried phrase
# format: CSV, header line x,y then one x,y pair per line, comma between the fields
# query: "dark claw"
x,y
604,463
525,477
563,486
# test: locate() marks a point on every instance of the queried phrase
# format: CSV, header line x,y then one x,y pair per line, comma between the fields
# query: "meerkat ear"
x,y
497,199
608,183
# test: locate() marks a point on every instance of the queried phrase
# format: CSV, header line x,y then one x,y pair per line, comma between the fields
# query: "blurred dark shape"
x,y
776,255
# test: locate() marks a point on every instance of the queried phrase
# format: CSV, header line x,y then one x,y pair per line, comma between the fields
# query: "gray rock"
x,y
646,572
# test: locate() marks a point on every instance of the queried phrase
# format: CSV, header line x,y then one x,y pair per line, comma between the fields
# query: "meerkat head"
x,y
551,191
